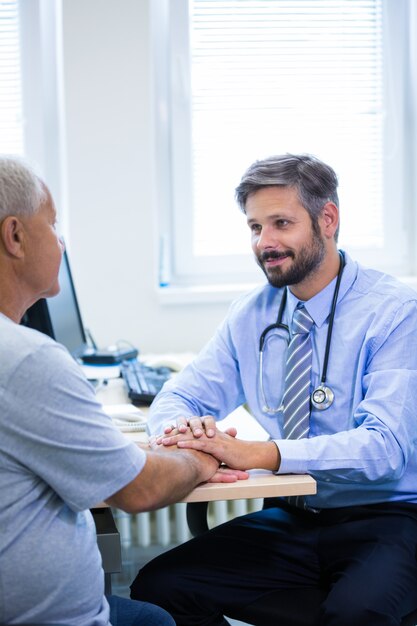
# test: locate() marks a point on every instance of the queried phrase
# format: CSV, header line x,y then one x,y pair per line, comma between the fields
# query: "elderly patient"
x,y
59,452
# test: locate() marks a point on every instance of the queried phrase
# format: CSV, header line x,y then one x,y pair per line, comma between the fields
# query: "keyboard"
x,y
143,382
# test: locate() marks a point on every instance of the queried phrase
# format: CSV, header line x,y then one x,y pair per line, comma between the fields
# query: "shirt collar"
x,y
319,305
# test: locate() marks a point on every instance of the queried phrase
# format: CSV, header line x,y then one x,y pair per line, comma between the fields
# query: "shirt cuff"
x,y
294,456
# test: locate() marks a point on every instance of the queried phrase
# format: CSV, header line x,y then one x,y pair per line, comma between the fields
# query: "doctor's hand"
x,y
224,474
199,426
226,448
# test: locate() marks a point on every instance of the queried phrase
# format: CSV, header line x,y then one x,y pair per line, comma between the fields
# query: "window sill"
x,y
224,293
203,293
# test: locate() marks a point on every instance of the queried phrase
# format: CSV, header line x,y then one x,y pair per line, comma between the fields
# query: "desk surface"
x,y
260,484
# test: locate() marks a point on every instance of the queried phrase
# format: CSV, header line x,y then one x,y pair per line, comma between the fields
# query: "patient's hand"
x,y
228,475
204,425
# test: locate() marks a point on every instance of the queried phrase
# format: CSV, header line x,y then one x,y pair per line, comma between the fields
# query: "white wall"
x,y
111,184
110,181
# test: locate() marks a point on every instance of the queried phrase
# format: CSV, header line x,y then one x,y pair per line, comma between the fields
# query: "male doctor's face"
x,y
288,247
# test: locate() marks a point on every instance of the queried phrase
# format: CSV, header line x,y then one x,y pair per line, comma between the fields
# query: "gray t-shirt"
x,y
59,456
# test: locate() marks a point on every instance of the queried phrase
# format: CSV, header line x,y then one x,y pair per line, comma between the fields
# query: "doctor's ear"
x,y
12,236
329,219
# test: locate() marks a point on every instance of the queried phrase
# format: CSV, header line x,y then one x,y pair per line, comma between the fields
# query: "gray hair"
x,y
21,190
315,182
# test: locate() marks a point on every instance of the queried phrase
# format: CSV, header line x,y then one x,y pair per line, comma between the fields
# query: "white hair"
x,y
21,190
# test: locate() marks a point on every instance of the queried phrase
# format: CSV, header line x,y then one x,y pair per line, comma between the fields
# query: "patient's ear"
x,y
329,218
12,235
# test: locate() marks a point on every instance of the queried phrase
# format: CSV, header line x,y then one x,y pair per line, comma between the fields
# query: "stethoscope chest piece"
x,y
322,397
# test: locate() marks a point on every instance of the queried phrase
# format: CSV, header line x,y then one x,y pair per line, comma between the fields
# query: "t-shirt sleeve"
x,y
55,428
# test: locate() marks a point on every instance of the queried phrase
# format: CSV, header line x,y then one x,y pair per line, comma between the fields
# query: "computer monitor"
x,y
59,316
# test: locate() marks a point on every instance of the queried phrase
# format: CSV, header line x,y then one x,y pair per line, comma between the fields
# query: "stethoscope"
x,y
322,397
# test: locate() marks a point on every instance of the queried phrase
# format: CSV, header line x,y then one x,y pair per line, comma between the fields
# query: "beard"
x,y
305,263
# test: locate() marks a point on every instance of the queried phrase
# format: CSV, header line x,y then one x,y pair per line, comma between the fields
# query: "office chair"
x,y
289,608
108,541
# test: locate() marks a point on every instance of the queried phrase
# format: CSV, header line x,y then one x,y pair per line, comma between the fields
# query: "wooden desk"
x,y
260,484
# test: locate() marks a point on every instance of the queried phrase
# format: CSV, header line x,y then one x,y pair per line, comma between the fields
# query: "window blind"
x,y
11,123
276,76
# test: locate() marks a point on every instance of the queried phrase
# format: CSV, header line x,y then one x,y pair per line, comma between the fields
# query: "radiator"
x,y
169,525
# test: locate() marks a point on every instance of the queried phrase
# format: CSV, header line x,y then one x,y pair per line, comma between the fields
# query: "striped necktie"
x,y
296,400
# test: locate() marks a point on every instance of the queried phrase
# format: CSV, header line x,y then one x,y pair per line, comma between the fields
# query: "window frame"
x,y
173,153
43,95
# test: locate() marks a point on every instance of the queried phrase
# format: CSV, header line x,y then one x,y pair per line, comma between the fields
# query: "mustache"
x,y
273,255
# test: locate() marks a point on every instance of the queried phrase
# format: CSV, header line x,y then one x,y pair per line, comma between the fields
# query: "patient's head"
x,y
21,190
30,248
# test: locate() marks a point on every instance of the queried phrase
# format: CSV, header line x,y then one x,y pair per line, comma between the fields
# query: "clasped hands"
x,y
202,434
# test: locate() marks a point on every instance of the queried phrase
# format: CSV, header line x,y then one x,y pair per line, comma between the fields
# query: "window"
x,y
30,91
251,78
11,125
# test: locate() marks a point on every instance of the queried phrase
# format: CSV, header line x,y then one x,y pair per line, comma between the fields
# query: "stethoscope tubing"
x,y
325,391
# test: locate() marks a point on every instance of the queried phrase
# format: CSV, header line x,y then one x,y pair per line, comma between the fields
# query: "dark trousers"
x,y
124,612
339,567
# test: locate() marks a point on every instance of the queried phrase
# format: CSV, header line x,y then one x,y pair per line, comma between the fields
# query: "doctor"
x,y
331,374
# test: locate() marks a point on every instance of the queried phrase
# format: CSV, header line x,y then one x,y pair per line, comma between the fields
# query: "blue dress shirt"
x,y
362,448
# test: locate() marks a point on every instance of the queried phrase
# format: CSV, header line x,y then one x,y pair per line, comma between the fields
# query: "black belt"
x,y
341,514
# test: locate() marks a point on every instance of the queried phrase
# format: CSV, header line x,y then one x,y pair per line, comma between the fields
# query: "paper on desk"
x,y
246,425
130,427
126,417
101,372
124,412
175,361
